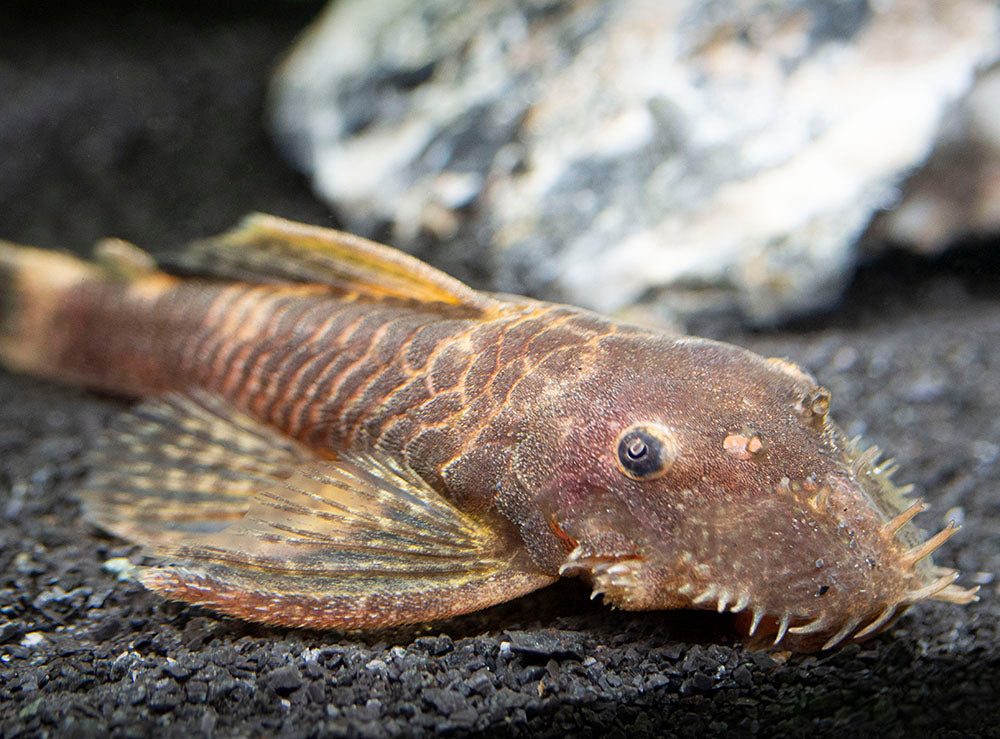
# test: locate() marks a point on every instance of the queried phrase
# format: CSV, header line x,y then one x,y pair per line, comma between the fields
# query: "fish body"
x,y
337,435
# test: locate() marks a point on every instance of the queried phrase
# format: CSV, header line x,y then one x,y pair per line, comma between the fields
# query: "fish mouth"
x,y
857,537
762,623
906,551
828,630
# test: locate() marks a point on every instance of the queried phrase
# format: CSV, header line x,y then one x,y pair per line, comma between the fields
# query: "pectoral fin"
x,y
268,249
179,466
355,543
256,527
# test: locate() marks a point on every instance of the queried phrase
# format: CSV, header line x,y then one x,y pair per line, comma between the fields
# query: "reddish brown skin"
x,y
518,411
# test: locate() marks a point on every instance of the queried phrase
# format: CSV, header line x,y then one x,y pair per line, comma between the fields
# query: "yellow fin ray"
x,y
268,249
251,524
181,465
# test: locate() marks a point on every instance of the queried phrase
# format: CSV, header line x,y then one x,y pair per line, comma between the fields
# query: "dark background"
x,y
143,121
147,123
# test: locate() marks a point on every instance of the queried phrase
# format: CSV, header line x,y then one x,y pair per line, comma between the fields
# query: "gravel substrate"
x,y
149,127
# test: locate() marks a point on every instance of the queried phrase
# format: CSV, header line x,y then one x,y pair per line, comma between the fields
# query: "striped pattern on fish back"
x,y
442,393
281,353
458,402
439,388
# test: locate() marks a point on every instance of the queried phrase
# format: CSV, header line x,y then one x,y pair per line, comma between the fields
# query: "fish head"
x,y
694,474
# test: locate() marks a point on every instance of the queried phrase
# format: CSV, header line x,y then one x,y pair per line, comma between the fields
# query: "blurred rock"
x,y
683,156
956,194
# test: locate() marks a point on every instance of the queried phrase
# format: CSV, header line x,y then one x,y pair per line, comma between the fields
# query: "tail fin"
x,y
31,283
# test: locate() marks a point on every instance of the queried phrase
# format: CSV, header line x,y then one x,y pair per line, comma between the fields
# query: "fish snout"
x,y
805,565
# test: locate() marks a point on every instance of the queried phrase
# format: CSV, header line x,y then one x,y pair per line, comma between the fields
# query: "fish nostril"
x,y
820,405
823,590
815,404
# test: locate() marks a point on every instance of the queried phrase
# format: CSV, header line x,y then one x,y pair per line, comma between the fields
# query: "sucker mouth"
x,y
854,626
606,574
941,587
617,577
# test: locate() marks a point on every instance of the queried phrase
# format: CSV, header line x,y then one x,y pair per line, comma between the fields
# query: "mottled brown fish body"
x,y
446,393
339,436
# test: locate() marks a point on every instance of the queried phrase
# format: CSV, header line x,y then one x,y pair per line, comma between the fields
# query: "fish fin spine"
x,y
267,249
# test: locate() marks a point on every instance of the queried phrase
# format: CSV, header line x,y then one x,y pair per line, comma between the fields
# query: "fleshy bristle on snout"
x,y
919,552
931,589
864,463
942,587
845,631
881,620
916,581
952,593
857,564
891,527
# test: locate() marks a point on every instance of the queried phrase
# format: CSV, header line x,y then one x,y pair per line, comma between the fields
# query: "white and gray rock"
x,y
956,193
679,155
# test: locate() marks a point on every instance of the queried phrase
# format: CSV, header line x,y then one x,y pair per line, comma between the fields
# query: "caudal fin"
x,y
32,282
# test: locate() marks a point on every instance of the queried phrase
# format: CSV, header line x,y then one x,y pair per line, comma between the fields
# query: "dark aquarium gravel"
x,y
145,122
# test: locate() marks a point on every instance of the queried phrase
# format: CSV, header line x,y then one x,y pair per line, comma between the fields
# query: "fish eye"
x,y
646,451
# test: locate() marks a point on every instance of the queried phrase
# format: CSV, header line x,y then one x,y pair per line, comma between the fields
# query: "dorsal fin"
x,y
123,260
268,249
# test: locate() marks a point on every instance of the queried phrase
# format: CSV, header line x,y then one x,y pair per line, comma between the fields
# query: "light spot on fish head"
x,y
743,445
